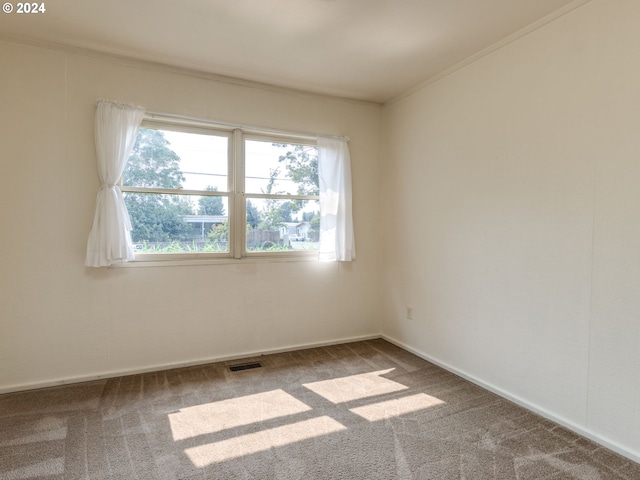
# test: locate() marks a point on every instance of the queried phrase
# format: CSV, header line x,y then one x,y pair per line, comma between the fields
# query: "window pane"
x,y
178,223
167,159
282,225
281,168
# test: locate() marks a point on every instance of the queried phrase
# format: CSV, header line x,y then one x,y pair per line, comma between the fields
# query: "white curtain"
x,y
116,127
336,220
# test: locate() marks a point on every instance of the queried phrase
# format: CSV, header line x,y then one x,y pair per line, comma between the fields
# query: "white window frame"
x,y
236,195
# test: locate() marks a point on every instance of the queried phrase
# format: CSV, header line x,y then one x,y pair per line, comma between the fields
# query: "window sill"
x,y
217,261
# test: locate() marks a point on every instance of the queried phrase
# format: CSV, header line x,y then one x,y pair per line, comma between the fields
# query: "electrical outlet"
x,y
409,312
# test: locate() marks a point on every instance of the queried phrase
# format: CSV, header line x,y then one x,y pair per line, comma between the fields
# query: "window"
x,y
196,191
281,194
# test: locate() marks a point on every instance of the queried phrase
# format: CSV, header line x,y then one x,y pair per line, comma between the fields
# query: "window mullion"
x,y
239,204
173,191
276,196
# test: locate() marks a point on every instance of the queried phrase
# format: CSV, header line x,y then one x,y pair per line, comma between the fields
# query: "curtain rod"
x,y
213,123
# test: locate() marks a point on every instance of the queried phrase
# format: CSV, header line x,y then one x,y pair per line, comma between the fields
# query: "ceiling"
x,y
362,49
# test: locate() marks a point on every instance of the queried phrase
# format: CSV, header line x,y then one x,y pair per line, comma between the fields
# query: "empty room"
x,y
320,239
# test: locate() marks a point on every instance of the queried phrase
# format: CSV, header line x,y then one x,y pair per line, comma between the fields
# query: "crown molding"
x,y
523,32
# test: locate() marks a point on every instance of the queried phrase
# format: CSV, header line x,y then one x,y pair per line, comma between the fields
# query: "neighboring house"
x,y
297,231
203,223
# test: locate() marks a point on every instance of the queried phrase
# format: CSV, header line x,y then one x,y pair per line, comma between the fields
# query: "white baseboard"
x,y
610,444
168,366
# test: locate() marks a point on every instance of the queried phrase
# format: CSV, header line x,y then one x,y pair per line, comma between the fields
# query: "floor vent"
x,y
245,366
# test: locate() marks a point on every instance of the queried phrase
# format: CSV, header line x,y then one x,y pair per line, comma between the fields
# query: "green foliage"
x,y
314,225
315,221
219,233
284,210
269,247
301,163
211,205
253,216
274,215
152,163
180,247
156,218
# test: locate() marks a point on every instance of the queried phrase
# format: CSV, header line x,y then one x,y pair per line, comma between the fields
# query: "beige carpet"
x,y
365,410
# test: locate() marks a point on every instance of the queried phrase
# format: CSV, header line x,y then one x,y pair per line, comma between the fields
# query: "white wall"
x,y
60,321
514,206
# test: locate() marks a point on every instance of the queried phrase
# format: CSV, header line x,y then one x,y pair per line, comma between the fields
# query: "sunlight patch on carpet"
x,y
356,387
47,429
242,445
47,468
396,407
232,413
